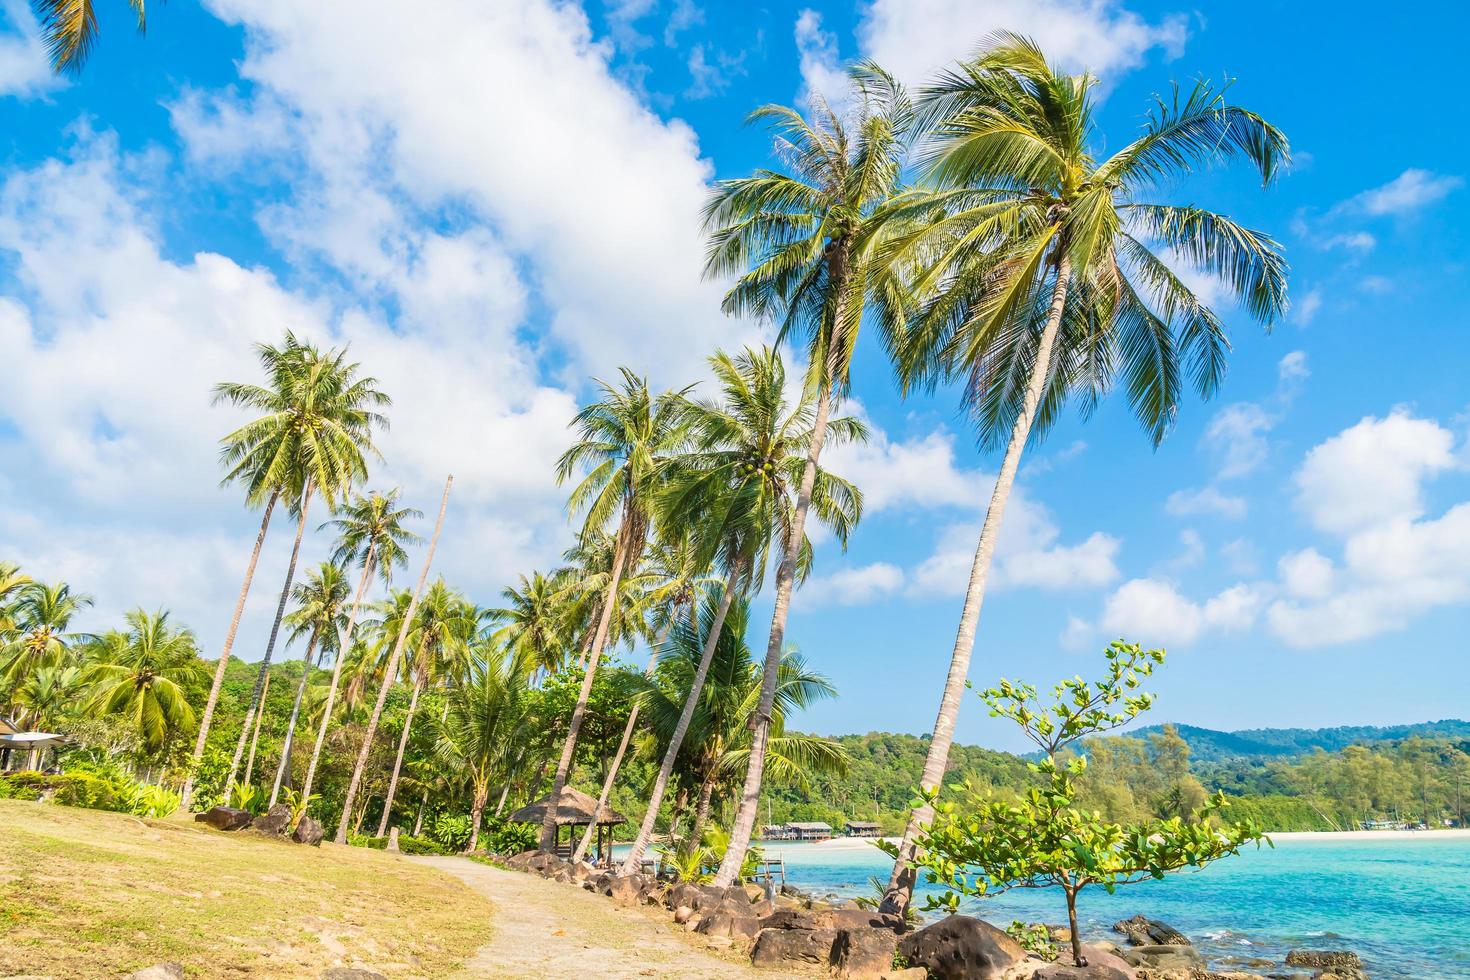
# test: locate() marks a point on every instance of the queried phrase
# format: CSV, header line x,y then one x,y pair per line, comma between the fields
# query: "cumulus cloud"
x,y
852,586
914,37
1410,191
25,70
1152,611
1205,500
1028,554
822,73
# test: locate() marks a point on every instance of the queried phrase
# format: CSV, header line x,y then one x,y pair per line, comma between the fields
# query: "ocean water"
x,y
1402,904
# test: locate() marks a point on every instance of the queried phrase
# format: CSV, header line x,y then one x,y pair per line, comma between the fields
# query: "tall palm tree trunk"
x,y
900,885
617,761
477,813
413,706
284,766
569,747
224,656
270,645
255,736
418,820
344,641
785,580
634,860
389,672
504,793
701,814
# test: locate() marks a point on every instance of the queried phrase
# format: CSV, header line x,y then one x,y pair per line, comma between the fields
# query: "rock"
x,y
683,894
625,891
791,891
683,914
1102,964
722,922
273,822
392,840
779,947
225,818
961,947
753,892
863,953
909,973
159,971
1143,931
351,973
308,831
521,861
583,870
1323,959
1181,960
830,919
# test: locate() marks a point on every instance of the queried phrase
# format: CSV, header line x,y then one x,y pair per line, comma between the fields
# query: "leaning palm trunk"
x,y
569,747
477,814
284,767
389,672
634,859
617,761
224,657
413,706
255,736
270,645
900,884
701,814
344,641
785,579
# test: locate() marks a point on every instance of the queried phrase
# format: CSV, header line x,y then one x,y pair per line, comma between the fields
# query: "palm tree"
x,y
718,740
69,29
440,638
312,440
12,585
320,609
45,696
145,674
1035,278
40,636
624,438
535,620
370,534
390,671
482,724
738,488
806,246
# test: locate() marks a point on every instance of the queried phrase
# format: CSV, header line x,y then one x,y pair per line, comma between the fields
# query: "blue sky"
x,y
492,206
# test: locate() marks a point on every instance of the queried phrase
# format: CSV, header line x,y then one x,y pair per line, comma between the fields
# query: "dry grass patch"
x,y
88,893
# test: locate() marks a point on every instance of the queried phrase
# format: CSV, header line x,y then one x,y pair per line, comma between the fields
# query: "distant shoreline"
x,y
858,843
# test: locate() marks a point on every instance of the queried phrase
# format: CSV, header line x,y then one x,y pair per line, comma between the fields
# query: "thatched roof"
x,y
575,808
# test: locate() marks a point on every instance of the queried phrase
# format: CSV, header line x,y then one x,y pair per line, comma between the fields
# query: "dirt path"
x,y
546,929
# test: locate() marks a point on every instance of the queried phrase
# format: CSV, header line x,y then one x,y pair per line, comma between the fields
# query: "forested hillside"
x,y
1209,745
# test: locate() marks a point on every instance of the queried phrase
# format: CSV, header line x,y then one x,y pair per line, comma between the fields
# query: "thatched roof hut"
x,y
575,808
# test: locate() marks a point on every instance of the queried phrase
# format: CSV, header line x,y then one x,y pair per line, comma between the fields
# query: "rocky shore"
x,y
784,928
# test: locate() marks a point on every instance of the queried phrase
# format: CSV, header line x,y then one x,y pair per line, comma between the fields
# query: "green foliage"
x,y
299,804
984,844
451,831
103,787
406,844
696,867
878,892
245,796
153,801
1034,937
502,837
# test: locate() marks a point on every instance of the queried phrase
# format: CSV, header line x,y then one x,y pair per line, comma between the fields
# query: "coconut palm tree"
x,y
440,639
1038,276
535,621
46,696
69,29
483,723
145,674
371,535
12,585
738,488
40,636
321,603
806,246
312,440
624,438
390,670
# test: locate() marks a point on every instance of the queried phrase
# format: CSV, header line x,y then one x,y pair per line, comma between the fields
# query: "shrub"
x,y
509,838
451,831
153,801
406,844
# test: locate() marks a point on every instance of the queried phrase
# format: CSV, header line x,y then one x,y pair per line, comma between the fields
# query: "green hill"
x,y
1209,745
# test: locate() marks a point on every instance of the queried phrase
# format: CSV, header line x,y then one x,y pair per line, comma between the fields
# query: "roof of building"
x,y
574,808
863,823
817,825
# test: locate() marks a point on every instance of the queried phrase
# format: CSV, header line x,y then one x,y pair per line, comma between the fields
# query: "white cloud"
x,y
1409,191
852,586
1353,241
1205,500
1027,555
1152,612
1306,574
1372,472
1292,369
821,69
912,38
1237,438
920,471
1311,304
25,70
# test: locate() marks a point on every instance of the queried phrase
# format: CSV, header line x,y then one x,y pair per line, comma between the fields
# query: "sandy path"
x,y
546,929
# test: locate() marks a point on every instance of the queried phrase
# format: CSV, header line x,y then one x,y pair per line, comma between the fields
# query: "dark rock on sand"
x,y
309,832
863,953
273,822
961,947
1143,931
778,947
225,818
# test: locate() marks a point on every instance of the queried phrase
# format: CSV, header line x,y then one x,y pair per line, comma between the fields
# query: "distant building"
x,y
810,831
862,828
776,831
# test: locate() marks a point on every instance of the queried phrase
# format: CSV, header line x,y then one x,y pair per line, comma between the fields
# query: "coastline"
x,y
836,844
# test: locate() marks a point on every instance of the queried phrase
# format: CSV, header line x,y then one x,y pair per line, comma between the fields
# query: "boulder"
x,y
159,971
830,919
625,891
723,922
1180,960
308,831
225,818
1103,963
753,892
863,953
908,973
583,870
1143,931
961,947
521,861
273,822
1323,959
683,914
781,947
684,894
352,973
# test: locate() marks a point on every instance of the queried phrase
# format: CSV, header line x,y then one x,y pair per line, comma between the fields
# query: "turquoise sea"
x,y
1403,904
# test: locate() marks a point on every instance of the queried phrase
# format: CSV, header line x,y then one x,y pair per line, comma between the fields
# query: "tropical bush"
x,y
451,831
406,844
503,837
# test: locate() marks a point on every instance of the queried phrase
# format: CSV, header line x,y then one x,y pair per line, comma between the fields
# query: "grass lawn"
x,y
85,893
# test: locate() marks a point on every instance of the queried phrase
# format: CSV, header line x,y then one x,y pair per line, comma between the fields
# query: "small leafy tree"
x,y
984,844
